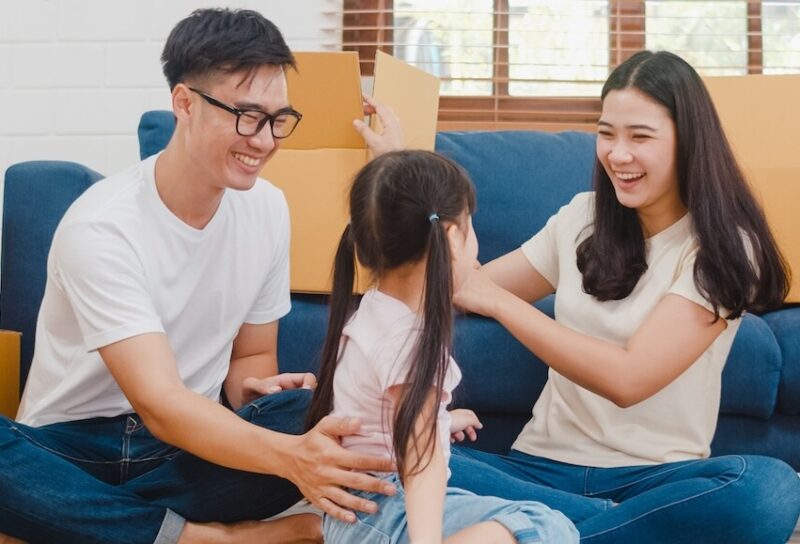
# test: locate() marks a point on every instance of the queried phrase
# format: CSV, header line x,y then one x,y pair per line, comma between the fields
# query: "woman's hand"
x,y
464,424
476,292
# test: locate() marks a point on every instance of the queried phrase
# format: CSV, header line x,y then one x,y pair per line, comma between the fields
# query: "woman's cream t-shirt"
x,y
573,425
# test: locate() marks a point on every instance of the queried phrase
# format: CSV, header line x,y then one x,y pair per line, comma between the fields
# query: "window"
x,y
711,36
541,63
780,30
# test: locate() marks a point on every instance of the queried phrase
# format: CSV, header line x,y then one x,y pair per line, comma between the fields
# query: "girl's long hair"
x,y
738,265
392,223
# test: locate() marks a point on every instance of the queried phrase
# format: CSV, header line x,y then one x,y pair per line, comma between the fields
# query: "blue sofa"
x,y
522,178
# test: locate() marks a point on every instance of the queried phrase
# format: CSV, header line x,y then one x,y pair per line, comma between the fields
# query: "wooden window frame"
x,y
367,27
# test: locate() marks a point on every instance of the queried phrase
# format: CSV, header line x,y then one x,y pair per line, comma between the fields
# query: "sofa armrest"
x,y
785,325
36,196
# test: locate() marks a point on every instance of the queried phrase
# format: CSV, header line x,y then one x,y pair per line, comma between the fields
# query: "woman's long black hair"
x,y
738,265
392,201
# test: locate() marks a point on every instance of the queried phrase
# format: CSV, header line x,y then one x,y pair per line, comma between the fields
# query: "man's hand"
x,y
464,424
391,138
253,388
320,467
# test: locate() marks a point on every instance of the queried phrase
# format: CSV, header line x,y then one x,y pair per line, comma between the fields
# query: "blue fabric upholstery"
x,y
753,371
36,196
509,169
155,130
521,178
786,326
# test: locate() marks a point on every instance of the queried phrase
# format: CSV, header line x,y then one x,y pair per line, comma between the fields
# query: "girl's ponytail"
x,y
341,307
431,354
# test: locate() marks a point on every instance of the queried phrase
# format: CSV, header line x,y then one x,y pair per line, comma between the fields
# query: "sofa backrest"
x,y
521,179
36,195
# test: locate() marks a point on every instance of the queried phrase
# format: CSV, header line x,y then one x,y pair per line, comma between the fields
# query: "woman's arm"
x,y
670,339
425,490
514,273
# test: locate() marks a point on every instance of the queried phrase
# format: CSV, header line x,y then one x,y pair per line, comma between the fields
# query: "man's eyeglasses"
x,y
250,122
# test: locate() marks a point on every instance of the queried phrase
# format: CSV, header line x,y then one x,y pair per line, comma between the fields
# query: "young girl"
x,y
653,272
387,359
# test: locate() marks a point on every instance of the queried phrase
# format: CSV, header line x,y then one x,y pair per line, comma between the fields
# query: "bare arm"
x,y
254,366
255,355
146,371
514,273
425,490
672,337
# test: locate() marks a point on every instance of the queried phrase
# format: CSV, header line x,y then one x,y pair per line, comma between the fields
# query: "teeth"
x,y
249,161
628,176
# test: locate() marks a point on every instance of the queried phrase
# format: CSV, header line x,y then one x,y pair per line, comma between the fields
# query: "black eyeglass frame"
x,y
268,118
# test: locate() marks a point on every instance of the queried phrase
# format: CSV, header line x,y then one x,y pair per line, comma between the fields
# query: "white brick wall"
x,y
76,75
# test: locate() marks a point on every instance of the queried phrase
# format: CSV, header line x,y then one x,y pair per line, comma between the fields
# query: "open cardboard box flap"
x,y
316,165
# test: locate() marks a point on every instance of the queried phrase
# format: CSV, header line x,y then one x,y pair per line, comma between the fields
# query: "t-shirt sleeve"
x,y
274,299
105,283
684,284
542,250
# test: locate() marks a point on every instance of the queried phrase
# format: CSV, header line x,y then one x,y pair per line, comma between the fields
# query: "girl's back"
x,y
377,349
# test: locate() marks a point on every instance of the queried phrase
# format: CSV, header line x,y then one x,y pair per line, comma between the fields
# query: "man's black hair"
x,y
225,40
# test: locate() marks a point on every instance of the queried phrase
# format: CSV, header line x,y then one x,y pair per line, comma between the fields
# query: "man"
x,y
164,288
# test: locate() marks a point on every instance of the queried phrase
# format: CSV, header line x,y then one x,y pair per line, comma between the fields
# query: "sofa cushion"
x,y
521,177
37,194
785,324
748,435
301,333
753,371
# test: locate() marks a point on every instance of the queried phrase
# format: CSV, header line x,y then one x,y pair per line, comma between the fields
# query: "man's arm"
x,y
145,369
255,355
254,366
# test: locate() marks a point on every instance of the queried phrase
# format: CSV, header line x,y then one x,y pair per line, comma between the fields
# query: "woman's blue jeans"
x,y
107,480
731,499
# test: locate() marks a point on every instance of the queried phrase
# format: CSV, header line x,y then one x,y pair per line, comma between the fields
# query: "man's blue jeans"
x,y
107,480
731,499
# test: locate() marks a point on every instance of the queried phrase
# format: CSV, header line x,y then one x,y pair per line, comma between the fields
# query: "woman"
x,y
653,271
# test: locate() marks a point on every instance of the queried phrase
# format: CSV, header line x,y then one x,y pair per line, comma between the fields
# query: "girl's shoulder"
x,y
381,321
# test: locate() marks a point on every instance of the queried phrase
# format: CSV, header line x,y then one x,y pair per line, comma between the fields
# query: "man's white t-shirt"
x,y
122,264
377,349
573,425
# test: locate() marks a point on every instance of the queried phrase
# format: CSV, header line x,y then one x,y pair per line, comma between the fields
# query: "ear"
x,y
181,102
455,238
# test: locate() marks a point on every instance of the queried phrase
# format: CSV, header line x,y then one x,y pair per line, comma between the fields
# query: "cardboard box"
x,y
9,372
761,118
316,165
